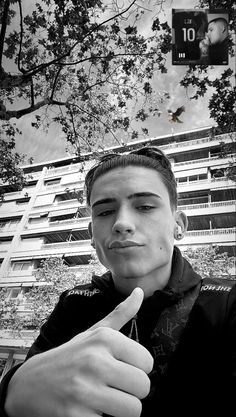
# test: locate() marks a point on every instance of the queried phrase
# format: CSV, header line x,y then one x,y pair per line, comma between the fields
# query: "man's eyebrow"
x,y
143,194
130,197
104,201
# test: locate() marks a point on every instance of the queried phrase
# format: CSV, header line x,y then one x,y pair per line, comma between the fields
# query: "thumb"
x,y
124,312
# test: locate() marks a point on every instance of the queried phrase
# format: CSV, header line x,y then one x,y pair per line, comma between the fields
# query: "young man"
x,y
214,47
160,351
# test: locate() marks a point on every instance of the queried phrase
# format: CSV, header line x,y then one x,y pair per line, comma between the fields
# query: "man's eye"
x,y
105,213
146,207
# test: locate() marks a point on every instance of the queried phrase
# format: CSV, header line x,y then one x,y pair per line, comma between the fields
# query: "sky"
x,y
45,146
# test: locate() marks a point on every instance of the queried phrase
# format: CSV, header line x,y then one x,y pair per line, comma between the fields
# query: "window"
x,y
14,292
54,181
21,266
193,178
3,224
17,293
31,184
182,179
22,202
8,224
70,194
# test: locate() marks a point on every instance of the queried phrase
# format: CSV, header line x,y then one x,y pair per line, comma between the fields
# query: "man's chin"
x,y
127,273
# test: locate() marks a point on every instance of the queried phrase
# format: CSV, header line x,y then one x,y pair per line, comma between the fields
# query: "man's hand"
x,y
98,371
204,46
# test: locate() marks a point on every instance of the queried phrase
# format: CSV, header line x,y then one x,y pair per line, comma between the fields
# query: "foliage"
x,y
53,277
89,66
223,97
89,60
12,177
222,101
8,309
208,261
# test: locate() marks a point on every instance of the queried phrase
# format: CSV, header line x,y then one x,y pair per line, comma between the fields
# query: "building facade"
x,y
49,217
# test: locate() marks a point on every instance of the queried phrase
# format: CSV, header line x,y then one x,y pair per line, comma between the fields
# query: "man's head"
x,y
134,219
217,31
149,157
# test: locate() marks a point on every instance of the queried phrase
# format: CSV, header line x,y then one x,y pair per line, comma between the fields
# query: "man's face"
x,y
133,225
215,32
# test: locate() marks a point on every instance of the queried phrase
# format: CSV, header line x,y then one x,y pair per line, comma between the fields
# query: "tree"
x,y
52,278
88,59
12,176
208,261
89,66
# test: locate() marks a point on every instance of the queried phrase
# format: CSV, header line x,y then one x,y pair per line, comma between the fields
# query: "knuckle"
x,y
103,334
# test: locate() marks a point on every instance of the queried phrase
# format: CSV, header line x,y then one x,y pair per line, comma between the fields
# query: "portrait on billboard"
x,y
199,37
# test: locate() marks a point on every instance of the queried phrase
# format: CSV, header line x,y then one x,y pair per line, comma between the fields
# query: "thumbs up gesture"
x,y
98,371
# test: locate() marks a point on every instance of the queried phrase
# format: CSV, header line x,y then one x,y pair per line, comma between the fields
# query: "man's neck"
x,y
157,280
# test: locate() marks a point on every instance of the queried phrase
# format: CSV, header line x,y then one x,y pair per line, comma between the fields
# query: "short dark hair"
x,y
219,19
149,157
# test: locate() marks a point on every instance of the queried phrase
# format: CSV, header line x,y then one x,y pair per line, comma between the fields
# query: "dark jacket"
x,y
218,54
194,348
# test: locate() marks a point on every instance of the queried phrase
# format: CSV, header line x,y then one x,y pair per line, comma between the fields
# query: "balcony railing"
x,y
175,145
208,205
202,160
211,232
68,221
65,244
78,182
73,201
61,170
204,181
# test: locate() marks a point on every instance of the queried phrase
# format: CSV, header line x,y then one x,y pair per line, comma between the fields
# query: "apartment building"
x,y
49,217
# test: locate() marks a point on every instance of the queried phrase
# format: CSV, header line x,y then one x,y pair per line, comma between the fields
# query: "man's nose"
x,y
124,223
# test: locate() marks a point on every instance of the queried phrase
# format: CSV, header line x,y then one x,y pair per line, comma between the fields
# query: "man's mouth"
x,y
120,244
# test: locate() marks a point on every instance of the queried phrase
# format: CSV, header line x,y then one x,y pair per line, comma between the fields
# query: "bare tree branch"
x,y
21,39
22,112
10,81
55,82
3,29
99,120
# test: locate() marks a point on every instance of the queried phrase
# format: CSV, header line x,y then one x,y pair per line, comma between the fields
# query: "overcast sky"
x,y
44,146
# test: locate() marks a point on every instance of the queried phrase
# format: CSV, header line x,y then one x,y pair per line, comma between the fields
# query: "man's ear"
x,y
181,222
90,231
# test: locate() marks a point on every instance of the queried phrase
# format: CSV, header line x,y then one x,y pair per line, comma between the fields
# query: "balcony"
x,y
70,168
73,246
54,249
205,184
217,207
221,237
4,247
59,187
195,144
12,209
79,222
203,162
56,226
19,342
8,231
